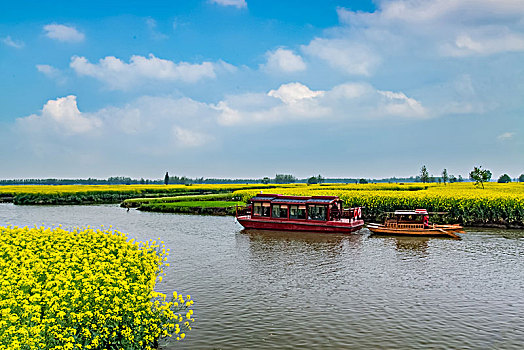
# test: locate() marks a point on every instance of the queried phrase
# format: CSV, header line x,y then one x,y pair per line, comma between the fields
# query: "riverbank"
x,y
108,194
498,205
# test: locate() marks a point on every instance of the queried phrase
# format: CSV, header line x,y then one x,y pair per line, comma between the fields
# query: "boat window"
x,y
279,211
257,209
297,211
266,209
317,212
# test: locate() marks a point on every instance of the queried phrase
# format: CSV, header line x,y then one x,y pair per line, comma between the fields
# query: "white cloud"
x,y
346,55
153,128
293,92
283,60
401,105
190,138
445,27
148,125
295,101
506,136
472,11
13,43
47,69
63,33
228,115
485,44
235,3
63,116
152,26
51,72
121,75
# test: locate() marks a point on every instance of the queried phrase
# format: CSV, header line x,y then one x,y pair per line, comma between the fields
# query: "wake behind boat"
x,y
414,223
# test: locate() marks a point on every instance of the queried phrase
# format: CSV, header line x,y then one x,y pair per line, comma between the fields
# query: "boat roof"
x,y
411,212
278,198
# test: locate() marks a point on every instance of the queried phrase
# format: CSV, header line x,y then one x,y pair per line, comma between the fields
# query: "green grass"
x,y
201,204
193,207
137,202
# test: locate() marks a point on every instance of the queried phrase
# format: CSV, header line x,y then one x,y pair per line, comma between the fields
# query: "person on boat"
x,y
425,221
335,213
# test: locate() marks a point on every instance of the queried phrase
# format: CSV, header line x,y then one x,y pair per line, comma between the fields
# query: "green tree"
x,y
504,179
265,180
445,176
452,178
362,181
521,178
480,175
424,175
312,180
284,179
166,179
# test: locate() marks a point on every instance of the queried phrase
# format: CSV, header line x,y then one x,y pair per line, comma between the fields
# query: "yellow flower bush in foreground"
x,y
84,289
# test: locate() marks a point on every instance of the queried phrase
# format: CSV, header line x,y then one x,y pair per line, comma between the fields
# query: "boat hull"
x,y
433,231
343,226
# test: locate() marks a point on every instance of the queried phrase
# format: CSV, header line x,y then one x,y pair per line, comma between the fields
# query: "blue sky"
x,y
245,88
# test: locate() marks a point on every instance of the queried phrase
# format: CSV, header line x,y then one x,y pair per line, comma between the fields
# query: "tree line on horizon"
x,y
477,174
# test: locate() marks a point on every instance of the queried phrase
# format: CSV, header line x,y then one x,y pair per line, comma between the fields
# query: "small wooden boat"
x,y
414,223
298,213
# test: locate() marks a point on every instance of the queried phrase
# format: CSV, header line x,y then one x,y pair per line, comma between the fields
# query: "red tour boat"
x,y
294,213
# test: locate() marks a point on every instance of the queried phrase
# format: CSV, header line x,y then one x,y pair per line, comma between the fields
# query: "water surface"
x,y
265,290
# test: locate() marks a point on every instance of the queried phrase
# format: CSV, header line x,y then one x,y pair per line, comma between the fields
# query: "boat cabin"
x,y
316,208
408,219
294,213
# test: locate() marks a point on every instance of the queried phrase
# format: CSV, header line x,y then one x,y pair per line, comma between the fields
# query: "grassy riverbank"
x,y
197,208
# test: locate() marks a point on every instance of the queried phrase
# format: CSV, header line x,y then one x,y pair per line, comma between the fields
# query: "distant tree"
x,y
424,175
445,176
460,179
504,179
320,179
521,178
362,181
312,180
452,178
284,179
439,180
265,180
480,175
166,179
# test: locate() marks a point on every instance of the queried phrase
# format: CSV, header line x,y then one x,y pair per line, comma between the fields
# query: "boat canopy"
x,y
281,199
411,212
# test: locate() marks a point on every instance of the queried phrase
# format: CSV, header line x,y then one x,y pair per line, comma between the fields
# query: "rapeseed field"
x,y
461,202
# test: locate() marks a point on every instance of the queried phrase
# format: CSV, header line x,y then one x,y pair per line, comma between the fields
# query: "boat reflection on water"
x,y
297,264
286,241
408,244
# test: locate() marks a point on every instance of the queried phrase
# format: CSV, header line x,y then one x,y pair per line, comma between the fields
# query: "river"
x,y
266,290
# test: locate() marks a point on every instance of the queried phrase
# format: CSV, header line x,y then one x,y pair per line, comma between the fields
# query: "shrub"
x,y
84,289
